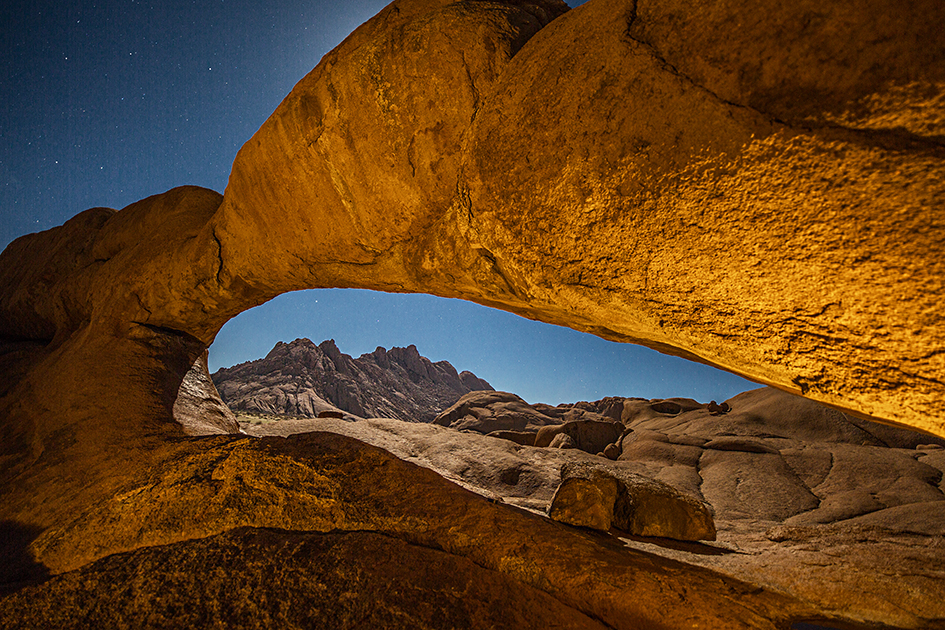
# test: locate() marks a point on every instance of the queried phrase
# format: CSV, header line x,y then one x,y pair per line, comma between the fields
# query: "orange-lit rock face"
x,y
583,178
758,190
722,213
362,157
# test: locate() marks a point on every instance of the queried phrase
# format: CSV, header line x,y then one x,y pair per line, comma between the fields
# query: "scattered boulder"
x,y
653,508
612,452
596,497
562,440
489,411
717,409
585,498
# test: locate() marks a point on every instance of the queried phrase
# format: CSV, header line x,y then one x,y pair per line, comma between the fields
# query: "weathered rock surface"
x,y
889,565
198,406
302,379
487,412
525,438
265,578
386,188
322,482
601,498
645,160
685,195
757,189
778,457
586,499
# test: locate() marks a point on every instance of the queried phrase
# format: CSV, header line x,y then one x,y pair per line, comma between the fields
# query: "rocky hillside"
x,y
302,379
774,485
762,455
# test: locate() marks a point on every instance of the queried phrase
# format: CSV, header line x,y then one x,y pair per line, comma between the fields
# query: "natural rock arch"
x,y
745,208
784,226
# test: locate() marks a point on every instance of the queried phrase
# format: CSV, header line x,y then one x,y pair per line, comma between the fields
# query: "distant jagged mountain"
x,y
303,379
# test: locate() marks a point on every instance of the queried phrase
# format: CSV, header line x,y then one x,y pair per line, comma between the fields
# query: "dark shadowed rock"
x,y
591,436
259,578
637,409
739,444
612,451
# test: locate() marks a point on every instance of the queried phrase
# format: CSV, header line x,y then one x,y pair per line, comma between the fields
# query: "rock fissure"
x,y
912,376
171,332
893,139
143,307
220,263
472,83
677,73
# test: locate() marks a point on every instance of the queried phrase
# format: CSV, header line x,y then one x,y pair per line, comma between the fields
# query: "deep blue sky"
x,y
105,103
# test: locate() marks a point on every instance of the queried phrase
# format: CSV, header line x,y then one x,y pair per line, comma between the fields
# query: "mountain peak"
x,y
302,379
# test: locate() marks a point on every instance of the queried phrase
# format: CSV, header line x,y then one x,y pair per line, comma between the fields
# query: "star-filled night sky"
x,y
105,103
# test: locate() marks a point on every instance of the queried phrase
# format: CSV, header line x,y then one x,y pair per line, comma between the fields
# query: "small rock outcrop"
x,y
591,436
781,458
198,407
601,498
488,412
304,379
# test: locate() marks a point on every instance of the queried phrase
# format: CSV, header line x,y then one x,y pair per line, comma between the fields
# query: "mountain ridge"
x,y
301,378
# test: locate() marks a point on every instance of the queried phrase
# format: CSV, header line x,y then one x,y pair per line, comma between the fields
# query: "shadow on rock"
x,y
18,568
697,548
